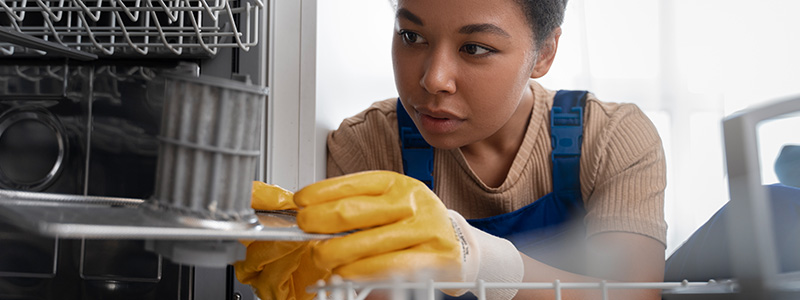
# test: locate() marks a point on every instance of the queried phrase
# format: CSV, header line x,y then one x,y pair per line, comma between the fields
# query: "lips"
x,y
438,122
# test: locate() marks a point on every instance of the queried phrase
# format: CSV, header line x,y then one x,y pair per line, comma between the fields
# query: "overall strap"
x,y
566,135
417,153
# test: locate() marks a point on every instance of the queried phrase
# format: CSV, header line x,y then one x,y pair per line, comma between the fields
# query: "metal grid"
x,y
399,290
135,27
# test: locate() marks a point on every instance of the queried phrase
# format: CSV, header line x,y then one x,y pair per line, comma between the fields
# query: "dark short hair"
x,y
544,16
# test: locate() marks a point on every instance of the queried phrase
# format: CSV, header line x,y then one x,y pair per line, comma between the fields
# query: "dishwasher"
x,y
91,175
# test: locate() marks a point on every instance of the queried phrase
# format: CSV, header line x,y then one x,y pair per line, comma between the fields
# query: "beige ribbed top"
x,y
623,172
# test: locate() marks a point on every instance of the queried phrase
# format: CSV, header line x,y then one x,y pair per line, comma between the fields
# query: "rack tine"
x,y
49,11
180,13
86,10
113,24
168,11
557,288
208,9
22,73
9,51
200,35
134,16
10,11
252,18
93,39
237,36
127,36
162,35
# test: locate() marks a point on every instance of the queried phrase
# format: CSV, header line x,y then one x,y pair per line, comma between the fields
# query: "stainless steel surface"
x,y
16,127
53,199
75,220
54,49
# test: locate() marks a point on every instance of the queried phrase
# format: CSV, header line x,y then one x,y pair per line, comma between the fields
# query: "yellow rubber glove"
x,y
402,226
277,269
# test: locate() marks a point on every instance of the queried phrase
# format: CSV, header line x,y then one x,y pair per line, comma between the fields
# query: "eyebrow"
x,y
466,29
402,12
485,27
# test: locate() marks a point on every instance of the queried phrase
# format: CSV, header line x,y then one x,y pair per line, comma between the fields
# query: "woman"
x,y
464,71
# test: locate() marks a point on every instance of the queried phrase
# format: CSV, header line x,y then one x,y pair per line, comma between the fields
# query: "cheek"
x,y
405,70
500,81
495,93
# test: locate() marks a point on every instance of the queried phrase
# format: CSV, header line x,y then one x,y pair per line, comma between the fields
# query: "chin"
x,y
445,142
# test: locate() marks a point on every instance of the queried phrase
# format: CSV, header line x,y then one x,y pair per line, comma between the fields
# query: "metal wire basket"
x,y
337,289
168,28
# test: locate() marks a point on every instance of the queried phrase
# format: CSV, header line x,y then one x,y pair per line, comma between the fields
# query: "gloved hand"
x,y
402,227
278,269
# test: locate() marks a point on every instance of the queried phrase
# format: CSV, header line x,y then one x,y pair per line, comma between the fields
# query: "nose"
x,y
440,71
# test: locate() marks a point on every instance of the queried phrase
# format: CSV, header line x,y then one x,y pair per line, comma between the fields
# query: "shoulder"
x,y
379,119
613,124
365,141
602,119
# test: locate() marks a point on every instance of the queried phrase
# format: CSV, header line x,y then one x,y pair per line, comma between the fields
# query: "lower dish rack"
x,y
786,285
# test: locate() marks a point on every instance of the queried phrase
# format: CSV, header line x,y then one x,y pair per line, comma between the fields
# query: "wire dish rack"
x,y
337,289
170,28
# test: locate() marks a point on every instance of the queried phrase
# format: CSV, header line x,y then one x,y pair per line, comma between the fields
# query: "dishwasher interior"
x,y
84,87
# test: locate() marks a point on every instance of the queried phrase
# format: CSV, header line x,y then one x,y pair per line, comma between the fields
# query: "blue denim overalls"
x,y
544,229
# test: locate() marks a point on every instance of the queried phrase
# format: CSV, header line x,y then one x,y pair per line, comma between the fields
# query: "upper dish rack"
x,y
165,28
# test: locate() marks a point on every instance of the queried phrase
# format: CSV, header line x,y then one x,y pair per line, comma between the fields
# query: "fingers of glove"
x,y
269,268
271,197
308,274
335,252
274,286
356,212
261,254
362,183
408,263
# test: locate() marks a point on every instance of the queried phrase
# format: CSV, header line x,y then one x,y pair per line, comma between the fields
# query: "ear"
x,y
546,55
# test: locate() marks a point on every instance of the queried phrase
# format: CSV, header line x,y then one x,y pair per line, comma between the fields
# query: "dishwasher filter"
x,y
209,148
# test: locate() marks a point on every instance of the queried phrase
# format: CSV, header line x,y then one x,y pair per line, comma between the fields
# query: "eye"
x,y
473,49
411,37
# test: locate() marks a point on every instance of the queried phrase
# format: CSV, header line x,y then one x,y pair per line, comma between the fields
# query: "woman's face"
x,y
462,67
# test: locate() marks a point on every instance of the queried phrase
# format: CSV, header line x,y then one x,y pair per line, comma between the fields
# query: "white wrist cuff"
x,y
487,257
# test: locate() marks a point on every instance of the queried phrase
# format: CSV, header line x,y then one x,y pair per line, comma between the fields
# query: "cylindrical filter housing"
x,y
209,148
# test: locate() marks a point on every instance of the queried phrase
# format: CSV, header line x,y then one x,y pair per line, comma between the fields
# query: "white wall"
x,y
687,63
354,66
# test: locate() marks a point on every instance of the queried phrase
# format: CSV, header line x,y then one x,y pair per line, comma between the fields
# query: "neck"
x,y
492,157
